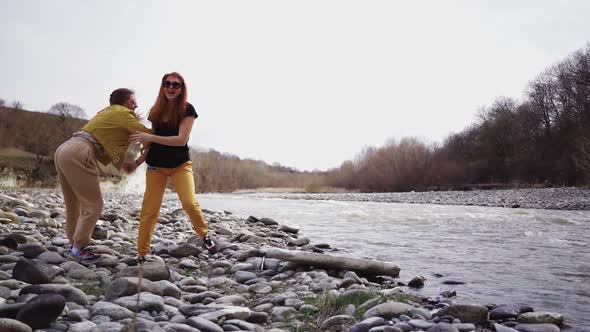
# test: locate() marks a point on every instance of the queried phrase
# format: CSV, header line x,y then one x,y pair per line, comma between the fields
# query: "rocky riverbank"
x,y
545,198
266,277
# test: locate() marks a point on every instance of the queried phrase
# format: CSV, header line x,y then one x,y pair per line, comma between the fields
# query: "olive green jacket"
x,y
111,127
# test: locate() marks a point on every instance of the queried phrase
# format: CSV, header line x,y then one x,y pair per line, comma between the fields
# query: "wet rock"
x,y
42,311
452,282
268,221
288,229
467,313
417,282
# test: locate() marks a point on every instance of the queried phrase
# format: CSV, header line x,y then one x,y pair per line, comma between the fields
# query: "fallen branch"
x,y
363,266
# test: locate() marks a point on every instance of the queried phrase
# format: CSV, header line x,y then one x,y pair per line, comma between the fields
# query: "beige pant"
x,y
77,170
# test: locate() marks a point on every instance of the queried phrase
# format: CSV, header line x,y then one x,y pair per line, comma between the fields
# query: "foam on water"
x,y
133,183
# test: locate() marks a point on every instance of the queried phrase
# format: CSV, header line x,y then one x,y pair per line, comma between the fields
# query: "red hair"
x,y
174,109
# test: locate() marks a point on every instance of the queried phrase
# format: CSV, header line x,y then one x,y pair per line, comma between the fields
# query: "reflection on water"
x,y
539,258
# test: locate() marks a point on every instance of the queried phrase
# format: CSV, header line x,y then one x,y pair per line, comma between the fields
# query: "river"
x,y
539,258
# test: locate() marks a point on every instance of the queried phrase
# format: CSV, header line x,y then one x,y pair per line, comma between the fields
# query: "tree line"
x,y
542,140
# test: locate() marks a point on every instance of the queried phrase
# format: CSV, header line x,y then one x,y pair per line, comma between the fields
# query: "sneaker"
x,y
209,244
141,260
86,256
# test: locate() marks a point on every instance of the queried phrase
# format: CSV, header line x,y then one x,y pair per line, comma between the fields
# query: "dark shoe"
x,y
210,245
141,260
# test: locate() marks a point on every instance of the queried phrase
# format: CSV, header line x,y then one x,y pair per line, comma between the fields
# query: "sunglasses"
x,y
174,85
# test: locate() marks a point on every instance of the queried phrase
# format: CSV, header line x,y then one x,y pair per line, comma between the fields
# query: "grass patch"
x,y
89,287
328,306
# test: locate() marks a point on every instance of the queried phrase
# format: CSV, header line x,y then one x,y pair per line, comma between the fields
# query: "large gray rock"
x,y
505,312
203,324
537,328
33,271
51,257
81,327
168,288
502,328
112,310
41,311
10,310
540,318
441,327
338,323
153,271
147,301
467,313
184,250
367,324
31,250
388,310
13,325
71,294
128,286
243,276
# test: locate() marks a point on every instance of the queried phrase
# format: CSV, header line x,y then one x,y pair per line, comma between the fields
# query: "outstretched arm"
x,y
179,140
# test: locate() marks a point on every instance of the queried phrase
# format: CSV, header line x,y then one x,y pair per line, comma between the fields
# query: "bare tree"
x,y
17,105
67,110
2,102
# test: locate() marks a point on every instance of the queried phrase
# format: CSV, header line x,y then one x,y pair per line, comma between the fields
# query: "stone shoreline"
x,y
184,288
545,198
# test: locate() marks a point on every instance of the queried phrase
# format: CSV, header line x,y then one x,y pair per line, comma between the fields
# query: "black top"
x,y
165,155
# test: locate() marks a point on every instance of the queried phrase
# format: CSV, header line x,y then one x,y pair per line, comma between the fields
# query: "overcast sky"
x,y
306,84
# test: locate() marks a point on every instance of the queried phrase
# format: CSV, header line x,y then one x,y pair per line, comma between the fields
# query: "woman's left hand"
x,y
142,138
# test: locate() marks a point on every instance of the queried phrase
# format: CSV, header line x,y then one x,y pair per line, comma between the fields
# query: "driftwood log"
x,y
363,266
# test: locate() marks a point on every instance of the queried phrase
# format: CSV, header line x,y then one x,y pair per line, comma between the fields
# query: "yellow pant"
x,y
155,185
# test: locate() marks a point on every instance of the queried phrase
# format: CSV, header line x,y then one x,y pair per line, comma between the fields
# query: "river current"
x,y
539,258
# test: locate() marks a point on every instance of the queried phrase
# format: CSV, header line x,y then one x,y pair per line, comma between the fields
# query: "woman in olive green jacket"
x,y
104,138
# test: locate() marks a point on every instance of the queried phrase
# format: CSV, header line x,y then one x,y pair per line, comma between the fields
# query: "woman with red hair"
x,y
167,156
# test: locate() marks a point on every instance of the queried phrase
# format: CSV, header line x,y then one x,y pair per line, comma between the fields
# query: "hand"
x,y
143,138
129,166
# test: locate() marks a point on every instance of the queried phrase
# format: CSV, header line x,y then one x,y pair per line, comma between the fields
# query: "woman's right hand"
x,y
143,138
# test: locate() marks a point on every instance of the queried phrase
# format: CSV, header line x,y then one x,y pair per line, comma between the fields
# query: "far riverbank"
x,y
535,198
